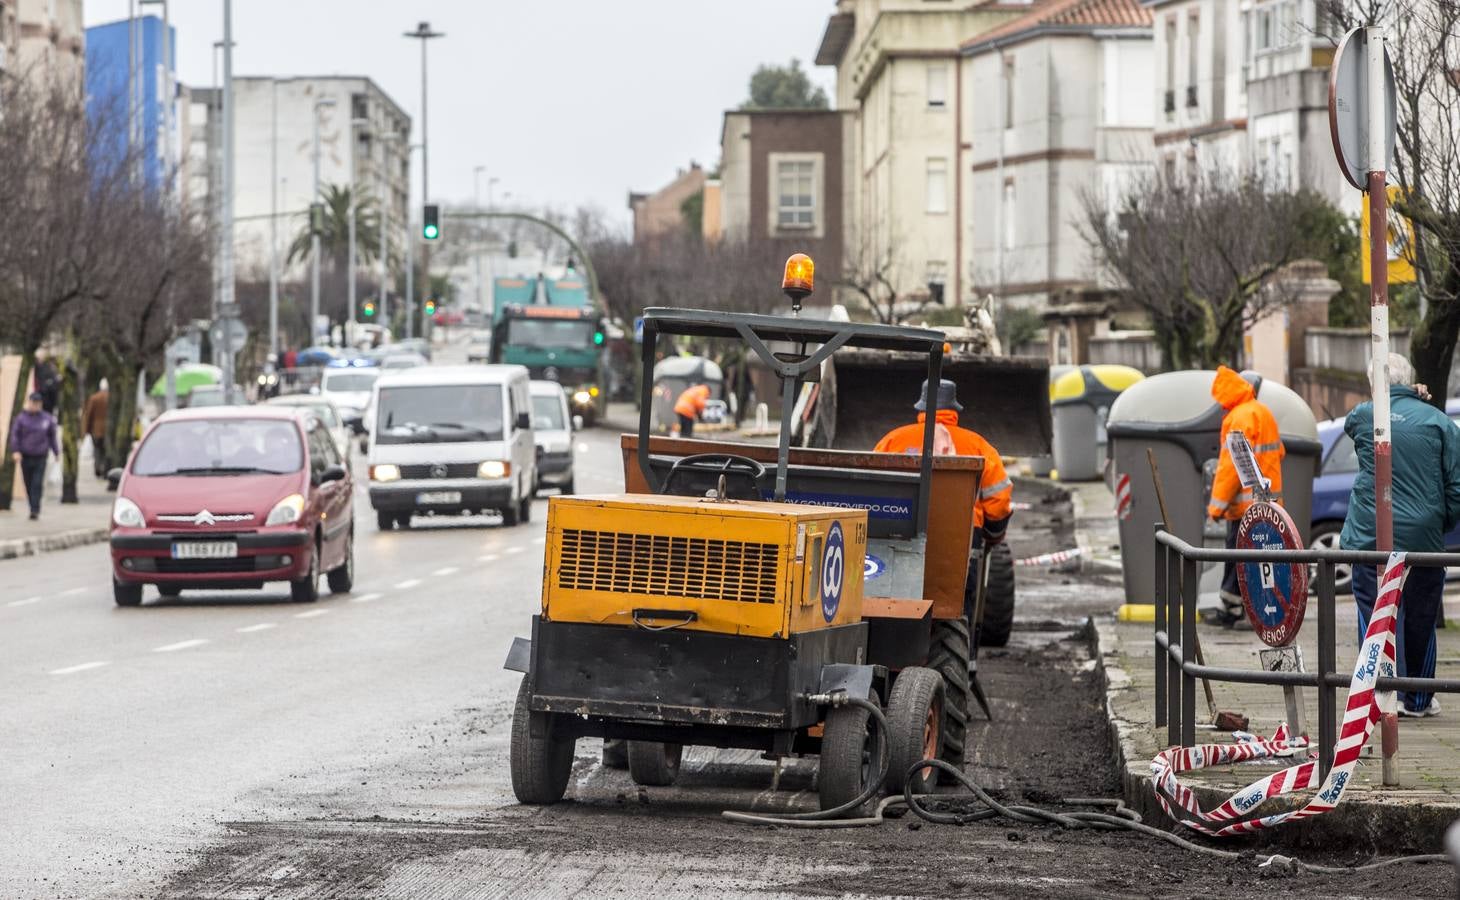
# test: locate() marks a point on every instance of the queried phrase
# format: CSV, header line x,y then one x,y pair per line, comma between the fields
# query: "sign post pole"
x,y
1378,157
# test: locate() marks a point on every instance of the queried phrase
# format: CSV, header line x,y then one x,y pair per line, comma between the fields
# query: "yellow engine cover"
x,y
743,567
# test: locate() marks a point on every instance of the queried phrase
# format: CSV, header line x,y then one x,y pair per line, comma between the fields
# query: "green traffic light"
x,y
431,232
598,337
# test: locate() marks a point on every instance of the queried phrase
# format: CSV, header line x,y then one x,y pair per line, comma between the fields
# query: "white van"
x,y
452,440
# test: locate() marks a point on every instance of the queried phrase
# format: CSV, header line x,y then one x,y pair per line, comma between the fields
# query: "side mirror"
x,y
577,423
355,424
524,421
332,473
113,478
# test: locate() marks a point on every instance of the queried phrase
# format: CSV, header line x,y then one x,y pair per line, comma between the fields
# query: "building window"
x,y
1008,92
359,107
1008,213
1193,49
795,193
938,85
937,277
937,185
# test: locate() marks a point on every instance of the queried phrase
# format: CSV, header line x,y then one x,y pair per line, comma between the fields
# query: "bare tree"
x,y
870,270
1198,256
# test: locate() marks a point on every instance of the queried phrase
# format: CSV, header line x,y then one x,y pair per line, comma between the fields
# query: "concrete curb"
x,y
33,546
1363,825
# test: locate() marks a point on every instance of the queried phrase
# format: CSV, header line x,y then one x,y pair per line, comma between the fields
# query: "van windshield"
x,y
547,413
350,381
439,413
220,447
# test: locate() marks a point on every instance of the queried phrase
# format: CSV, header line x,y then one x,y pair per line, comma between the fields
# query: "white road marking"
x,y
180,645
26,602
366,598
514,549
408,584
250,629
311,614
489,557
74,591
81,668
445,570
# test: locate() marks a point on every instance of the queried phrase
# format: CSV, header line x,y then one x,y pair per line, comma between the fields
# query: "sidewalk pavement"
x,y
60,525
1411,817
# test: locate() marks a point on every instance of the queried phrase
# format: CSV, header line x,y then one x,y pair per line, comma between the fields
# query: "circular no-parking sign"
x,y
1275,595
833,571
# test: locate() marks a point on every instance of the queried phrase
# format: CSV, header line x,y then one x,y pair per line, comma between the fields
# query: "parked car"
x,y
328,415
1331,490
229,498
452,440
552,430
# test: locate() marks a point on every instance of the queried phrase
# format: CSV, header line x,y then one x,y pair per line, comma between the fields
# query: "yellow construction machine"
x,y
750,596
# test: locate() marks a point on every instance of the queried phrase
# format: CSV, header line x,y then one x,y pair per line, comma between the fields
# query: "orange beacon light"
x,y
799,279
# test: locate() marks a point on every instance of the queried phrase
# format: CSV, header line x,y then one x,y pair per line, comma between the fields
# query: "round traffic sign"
x,y
1275,595
1348,109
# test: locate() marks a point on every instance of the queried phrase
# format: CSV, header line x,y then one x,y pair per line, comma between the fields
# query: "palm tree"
x,y
334,236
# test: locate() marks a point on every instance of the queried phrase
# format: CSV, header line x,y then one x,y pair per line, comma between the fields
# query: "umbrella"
x,y
189,376
315,356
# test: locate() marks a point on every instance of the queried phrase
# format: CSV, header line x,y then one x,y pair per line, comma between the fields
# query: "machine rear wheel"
x,y
615,753
848,758
654,763
949,658
510,514
384,520
998,603
915,719
540,766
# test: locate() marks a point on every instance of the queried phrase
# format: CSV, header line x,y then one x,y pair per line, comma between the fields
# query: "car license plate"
x,y
205,550
436,497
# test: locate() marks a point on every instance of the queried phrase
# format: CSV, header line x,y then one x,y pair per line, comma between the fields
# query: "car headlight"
x,y
385,472
582,397
285,511
126,513
493,468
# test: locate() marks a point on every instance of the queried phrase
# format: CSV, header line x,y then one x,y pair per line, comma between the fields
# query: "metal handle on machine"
x,y
685,616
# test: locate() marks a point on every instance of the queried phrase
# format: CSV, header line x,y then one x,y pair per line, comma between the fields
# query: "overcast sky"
x,y
567,102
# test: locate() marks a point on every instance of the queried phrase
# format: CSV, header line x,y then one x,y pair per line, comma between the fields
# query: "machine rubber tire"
x,y
403,521
127,594
306,589
342,577
510,515
948,657
915,716
615,753
168,590
653,763
847,758
385,521
998,603
524,510
540,766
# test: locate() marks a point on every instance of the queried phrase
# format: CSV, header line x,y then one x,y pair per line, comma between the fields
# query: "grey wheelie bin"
x,y
1079,401
1174,415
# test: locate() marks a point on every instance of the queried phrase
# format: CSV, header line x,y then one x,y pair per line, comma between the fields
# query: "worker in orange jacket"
x,y
994,505
1229,500
691,403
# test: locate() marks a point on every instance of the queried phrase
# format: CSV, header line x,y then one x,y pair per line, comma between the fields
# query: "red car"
x,y
233,497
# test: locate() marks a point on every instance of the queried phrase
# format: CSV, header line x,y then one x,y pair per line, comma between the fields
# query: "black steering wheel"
x,y
735,468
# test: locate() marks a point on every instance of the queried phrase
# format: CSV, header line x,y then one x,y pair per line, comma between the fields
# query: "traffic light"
x,y
369,309
431,229
598,338
316,218
430,307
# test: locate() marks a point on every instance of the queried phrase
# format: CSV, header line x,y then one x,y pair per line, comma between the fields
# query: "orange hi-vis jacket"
x,y
996,491
692,401
1247,414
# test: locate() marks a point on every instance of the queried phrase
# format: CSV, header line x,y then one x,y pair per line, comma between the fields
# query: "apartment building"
x,y
48,39
1058,105
900,75
661,211
158,115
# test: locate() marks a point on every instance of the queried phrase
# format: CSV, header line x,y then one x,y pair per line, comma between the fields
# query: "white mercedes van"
x,y
452,440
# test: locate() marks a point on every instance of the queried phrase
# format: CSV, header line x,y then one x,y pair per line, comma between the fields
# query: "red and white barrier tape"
x,y
1050,559
1020,506
1376,658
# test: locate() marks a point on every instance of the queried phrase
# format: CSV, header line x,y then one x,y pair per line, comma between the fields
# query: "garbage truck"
x,y
551,326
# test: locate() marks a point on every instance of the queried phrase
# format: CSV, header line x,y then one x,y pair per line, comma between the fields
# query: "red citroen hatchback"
x,y
233,497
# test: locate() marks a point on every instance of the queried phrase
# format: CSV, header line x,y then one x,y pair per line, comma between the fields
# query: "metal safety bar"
x,y
1177,575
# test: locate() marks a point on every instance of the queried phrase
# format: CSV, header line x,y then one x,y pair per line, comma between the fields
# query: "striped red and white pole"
x,y
1237,814
1124,503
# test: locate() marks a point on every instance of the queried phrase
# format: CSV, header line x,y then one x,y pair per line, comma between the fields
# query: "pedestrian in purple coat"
x,y
32,437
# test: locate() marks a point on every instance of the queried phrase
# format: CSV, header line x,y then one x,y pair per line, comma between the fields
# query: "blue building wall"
x,y
106,91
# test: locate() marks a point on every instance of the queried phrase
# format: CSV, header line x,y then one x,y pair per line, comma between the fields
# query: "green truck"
x,y
551,327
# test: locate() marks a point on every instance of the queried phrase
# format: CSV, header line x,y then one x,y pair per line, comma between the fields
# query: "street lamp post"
x,y
226,306
476,202
423,33
169,94
313,227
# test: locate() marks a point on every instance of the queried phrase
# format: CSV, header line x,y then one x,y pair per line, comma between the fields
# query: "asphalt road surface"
x,y
241,746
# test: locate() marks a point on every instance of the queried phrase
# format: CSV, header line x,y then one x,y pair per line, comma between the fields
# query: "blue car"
x,y
1332,486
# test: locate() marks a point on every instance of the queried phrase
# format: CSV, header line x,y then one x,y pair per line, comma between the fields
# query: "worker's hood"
x,y
1230,389
946,417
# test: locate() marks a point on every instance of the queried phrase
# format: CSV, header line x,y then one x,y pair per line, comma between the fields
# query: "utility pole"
x,y
1378,159
476,202
349,325
274,221
382,203
423,33
132,80
314,227
226,295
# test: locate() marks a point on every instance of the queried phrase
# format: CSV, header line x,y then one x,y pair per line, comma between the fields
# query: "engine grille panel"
x,y
664,565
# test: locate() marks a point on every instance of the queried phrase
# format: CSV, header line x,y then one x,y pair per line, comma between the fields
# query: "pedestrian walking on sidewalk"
x,y
93,424
32,438
1229,500
1426,501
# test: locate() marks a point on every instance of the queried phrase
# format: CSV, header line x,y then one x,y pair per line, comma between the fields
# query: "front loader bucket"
x,y
864,394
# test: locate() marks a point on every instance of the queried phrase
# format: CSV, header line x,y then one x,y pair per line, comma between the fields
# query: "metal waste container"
x,y
672,375
1079,401
1174,415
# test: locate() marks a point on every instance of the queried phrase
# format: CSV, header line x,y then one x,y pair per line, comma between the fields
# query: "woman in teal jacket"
x,y
1426,498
